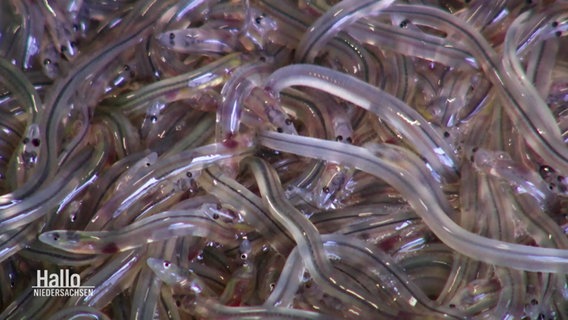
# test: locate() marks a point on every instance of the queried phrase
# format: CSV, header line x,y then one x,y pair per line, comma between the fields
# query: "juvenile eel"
x,y
407,173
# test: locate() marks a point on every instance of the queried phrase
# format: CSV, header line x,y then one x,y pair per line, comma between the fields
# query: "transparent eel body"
x,y
284,159
494,251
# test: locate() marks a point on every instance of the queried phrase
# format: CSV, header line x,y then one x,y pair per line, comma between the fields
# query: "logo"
x,y
62,284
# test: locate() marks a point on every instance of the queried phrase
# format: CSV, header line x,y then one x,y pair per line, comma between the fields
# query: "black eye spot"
x,y
452,305
172,36
188,174
55,236
288,122
215,216
46,62
178,303
555,24
349,140
167,264
258,20
546,171
26,140
404,23
339,138
279,129
35,142
325,189
558,33
244,256
446,134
